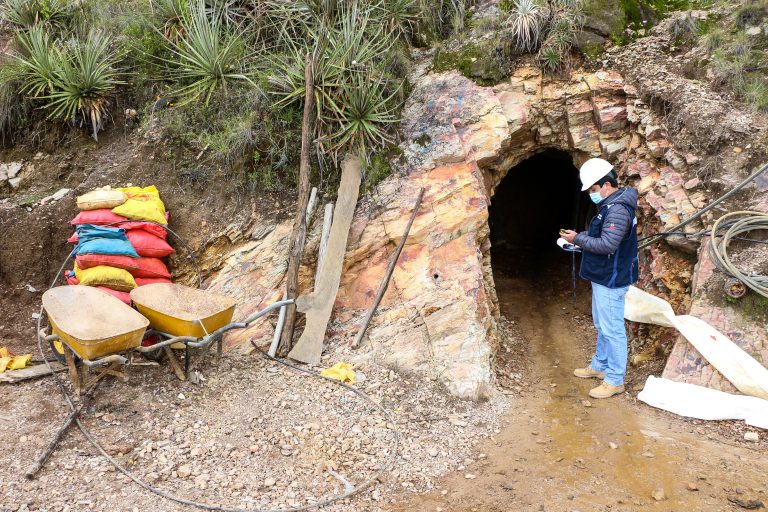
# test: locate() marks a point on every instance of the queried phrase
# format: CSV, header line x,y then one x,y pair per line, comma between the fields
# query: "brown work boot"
x,y
605,390
588,373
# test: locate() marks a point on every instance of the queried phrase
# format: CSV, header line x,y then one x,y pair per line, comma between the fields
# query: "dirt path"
x,y
560,451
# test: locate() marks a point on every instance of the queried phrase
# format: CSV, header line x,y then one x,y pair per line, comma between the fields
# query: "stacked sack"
x,y
120,239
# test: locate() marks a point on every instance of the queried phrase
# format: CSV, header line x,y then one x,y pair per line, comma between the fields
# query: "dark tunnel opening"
x,y
533,202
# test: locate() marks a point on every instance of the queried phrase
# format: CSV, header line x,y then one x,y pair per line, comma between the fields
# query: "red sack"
x,y
155,229
71,279
138,267
123,296
147,244
141,281
100,217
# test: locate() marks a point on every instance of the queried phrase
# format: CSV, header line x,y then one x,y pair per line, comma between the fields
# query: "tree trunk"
x,y
299,222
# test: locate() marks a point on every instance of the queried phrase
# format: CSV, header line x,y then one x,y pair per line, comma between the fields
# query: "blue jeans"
x,y
608,314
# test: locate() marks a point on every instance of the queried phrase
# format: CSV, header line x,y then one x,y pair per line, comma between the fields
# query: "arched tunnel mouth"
x,y
537,197
544,306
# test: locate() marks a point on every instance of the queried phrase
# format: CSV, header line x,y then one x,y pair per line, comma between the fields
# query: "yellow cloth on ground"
x,y
340,371
142,204
9,362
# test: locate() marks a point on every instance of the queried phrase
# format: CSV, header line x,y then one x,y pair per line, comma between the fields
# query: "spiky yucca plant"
x,y
86,76
26,13
355,102
72,80
526,18
209,55
169,15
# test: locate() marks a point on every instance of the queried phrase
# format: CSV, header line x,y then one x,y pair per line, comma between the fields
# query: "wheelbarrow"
x,y
94,329
90,330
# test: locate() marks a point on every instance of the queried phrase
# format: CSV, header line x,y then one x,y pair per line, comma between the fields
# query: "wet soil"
x,y
563,451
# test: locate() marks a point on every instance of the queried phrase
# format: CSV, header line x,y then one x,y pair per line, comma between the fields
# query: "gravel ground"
x,y
253,434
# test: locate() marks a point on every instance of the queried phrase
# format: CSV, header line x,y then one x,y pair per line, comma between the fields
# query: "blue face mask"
x,y
595,197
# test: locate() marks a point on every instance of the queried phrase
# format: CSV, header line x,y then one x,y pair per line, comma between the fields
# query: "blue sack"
x,y
103,240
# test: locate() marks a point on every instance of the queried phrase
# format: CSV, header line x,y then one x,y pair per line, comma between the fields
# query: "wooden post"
x,y
299,221
387,274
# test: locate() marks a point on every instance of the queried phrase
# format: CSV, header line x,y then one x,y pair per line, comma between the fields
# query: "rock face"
x,y
440,312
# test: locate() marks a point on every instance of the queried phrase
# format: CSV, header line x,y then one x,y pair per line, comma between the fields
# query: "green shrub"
x,y
442,18
713,40
755,91
741,45
729,72
749,14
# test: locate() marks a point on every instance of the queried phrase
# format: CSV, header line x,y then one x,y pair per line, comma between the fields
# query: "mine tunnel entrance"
x,y
542,321
537,197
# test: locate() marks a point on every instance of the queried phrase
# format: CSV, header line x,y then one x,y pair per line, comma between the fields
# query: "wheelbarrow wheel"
x,y
154,355
57,348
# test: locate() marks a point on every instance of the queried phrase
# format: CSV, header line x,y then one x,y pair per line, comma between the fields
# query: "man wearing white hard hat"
x,y
609,261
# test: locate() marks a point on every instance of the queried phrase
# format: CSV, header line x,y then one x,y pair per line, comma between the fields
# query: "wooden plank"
x,y
319,303
31,372
175,364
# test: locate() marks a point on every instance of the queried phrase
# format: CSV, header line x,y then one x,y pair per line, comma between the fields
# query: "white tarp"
x,y
741,369
704,403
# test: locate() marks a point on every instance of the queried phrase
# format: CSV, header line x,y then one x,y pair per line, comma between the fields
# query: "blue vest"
x,y
614,270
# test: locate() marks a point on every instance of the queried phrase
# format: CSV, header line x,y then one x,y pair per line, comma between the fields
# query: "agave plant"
x,y
26,13
86,77
362,111
73,81
209,56
526,23
550,57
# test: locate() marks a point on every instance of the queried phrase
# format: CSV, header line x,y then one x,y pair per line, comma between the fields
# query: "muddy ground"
x,y
560,450
255,434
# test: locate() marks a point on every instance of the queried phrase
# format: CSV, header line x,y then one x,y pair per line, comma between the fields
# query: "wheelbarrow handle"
x,y
165,343
215,335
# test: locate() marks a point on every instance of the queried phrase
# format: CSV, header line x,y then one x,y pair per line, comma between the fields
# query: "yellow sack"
x,y
142,204
340,371
101,198
102,275
20,362
9,362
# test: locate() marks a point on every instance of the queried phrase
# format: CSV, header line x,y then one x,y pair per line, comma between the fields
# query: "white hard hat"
x,y
592,170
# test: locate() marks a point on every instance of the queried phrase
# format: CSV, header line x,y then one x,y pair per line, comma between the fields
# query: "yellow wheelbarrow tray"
x,y
91,322
189,316
183,311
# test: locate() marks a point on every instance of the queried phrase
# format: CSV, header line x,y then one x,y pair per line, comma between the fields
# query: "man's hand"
x,y
568,235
